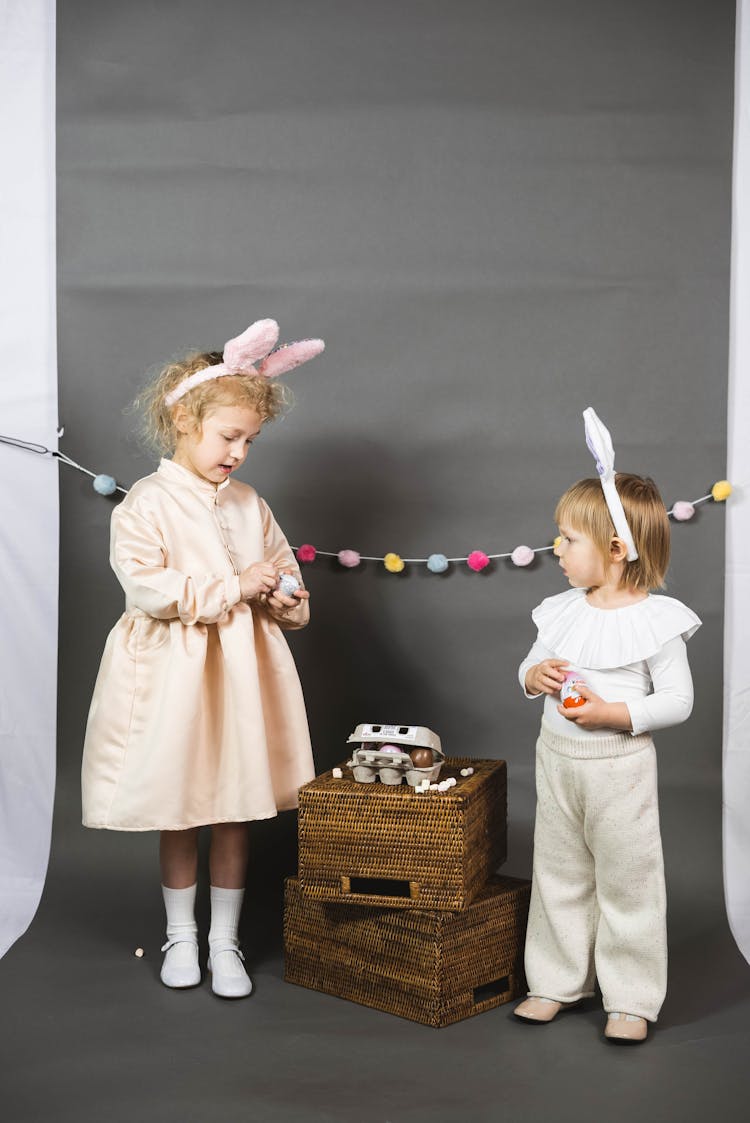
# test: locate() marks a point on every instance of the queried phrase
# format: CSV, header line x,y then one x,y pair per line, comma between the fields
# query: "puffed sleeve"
x,y
278,552
138,557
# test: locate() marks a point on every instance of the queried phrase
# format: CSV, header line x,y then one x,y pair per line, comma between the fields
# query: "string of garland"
x,y
682,511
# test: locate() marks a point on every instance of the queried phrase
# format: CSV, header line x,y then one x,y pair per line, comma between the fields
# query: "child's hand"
x,y
257,580
279,601
546,677
596,713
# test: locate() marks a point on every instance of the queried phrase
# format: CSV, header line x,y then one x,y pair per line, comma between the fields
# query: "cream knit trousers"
x,y
598,901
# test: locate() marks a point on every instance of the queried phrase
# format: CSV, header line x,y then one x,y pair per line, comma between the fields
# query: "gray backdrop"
x,y
496,213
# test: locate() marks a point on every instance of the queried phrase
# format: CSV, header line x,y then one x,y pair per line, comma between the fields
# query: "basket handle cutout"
x,y
494,989
379,887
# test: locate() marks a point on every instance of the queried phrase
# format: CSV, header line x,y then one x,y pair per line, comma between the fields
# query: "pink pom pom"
x,y
349,558
522,555
306,553
477,561
682,510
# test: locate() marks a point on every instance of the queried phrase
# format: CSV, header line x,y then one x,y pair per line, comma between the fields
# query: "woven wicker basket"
x,y
376,844
432,967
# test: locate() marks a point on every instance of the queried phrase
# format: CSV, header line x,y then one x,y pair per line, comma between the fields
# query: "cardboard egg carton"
x,y
369,762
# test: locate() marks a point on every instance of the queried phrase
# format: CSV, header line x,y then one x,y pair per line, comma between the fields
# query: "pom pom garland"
x,y
477,561
682,511
393,563
350,559
522,555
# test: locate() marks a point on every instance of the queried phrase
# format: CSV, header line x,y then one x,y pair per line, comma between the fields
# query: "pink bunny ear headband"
x,y
600,446
254,346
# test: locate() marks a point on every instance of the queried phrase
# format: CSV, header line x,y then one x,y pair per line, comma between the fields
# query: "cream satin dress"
x,y
197,715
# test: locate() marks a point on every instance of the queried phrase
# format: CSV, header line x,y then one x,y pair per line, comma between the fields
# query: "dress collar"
x,y
175,472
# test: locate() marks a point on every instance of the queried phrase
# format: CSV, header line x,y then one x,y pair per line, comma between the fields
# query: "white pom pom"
x,y
338,774
522,555
682,510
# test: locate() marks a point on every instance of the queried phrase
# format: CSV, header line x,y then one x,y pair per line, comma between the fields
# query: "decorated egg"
x,y
389,749
569,696
421,758
288,584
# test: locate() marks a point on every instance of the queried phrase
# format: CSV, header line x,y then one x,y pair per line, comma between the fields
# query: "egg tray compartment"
x,y
370,764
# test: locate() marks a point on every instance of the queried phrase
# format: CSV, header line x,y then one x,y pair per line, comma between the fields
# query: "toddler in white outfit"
x,y
598,903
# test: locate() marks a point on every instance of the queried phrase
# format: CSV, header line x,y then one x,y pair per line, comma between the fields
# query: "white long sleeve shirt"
x,y
636,655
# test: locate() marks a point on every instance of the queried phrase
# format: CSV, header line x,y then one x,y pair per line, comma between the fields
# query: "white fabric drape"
x,y
28,483
737,602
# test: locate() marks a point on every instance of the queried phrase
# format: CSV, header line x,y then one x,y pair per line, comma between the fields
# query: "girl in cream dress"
x,y
198,716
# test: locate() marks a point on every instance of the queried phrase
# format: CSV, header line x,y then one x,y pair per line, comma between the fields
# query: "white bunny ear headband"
x,y
252,353
599,442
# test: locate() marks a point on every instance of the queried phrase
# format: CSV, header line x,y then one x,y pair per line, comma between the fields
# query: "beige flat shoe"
x,y
535,1009
627,1028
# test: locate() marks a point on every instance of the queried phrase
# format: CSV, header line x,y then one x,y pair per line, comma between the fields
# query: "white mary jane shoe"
x,y
180,968
229,979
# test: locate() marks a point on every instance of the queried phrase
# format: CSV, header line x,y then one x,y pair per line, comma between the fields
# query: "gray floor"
x,y
88,1033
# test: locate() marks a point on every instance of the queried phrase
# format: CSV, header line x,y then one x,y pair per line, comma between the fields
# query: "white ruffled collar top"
x,y
603,638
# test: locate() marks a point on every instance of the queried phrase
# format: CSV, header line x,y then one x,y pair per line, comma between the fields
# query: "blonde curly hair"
x,y
157,428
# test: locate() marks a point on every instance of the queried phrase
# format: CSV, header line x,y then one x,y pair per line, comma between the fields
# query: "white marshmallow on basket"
x,y
338,774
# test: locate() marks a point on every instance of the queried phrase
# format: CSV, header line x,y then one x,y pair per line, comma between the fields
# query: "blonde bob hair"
x,y
268,397
584,508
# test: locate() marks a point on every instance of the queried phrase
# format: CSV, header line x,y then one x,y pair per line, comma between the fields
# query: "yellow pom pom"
x,y
721,490
393,563
557,542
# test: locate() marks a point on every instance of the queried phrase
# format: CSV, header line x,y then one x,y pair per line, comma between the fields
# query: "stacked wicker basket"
x,y
397,905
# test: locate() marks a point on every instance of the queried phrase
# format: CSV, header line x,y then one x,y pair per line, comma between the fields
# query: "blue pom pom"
x,y
105,485
437,563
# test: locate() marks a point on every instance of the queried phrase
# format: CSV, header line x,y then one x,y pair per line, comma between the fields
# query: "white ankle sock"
x,y
180,907
180,962
225,959
226,906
